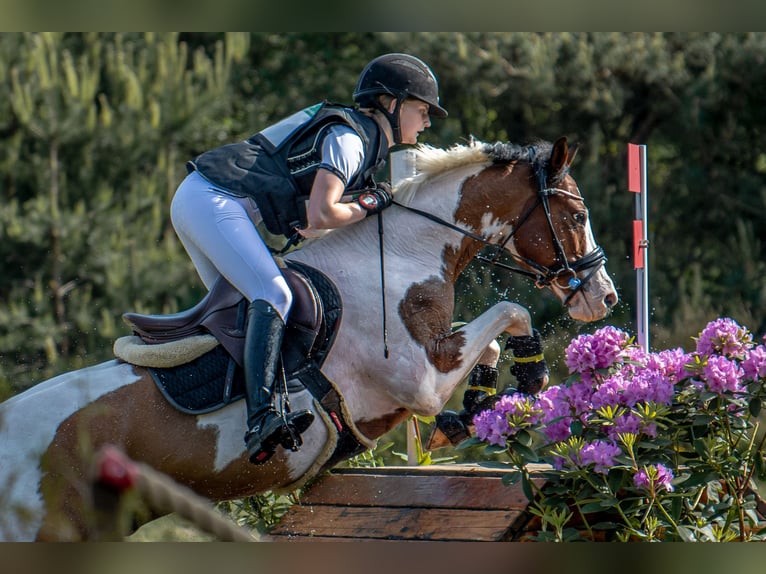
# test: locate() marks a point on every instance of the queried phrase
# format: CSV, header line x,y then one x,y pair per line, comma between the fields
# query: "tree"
x,y
103,121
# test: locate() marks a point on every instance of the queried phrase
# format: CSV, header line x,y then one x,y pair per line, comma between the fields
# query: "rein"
x,y
543,276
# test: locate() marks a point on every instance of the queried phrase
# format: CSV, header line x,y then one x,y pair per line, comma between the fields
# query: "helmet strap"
x,y
392,117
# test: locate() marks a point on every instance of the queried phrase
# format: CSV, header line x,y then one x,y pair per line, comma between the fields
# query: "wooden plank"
x,y
399,523
302,538
429,491
461,469
434,503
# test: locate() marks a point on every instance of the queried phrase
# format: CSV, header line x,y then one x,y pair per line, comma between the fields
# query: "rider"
x,y
326,154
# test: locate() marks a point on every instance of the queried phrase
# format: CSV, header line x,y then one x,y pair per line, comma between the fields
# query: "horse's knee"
x,y
519,319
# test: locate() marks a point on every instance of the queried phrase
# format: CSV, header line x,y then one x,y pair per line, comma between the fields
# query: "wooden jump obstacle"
x,y
417,503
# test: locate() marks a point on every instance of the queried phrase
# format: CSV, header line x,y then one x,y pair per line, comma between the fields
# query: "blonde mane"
x,y
432,161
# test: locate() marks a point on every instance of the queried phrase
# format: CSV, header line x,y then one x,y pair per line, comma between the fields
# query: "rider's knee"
x,y
281,296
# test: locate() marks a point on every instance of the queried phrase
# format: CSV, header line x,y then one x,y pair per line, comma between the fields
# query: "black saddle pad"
x,y
200,386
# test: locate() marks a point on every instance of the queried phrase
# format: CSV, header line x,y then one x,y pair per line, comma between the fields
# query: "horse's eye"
x,y
580,217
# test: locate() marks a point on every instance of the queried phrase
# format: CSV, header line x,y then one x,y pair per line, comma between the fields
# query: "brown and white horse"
x,y
522,199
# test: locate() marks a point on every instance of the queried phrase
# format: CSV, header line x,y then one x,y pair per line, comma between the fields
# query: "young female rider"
x,y
326,154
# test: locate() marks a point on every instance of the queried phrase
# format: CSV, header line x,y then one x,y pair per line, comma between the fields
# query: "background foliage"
x,y
95,129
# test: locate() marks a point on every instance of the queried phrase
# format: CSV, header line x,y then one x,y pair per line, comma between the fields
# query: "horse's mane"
x,y
432,161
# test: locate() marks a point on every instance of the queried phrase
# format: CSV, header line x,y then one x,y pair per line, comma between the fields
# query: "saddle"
x,y
222,312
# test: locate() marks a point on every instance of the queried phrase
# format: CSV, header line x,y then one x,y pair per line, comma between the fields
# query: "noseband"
x,y
543,276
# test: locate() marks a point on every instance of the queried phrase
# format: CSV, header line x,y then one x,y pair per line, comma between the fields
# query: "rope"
x,y
118,472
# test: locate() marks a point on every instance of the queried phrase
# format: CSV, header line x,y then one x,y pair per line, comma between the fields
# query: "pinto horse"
x,y
520,199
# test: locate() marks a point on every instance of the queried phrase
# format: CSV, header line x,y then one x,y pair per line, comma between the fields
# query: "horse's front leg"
x,y
529,368
451,427
452,356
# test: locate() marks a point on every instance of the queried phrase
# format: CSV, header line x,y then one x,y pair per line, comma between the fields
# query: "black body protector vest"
x,y
277,166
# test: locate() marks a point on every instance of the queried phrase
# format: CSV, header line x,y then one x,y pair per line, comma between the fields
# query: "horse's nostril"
x,y
610,300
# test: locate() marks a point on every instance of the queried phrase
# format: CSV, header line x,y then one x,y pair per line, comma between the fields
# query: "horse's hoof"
x,y
449,430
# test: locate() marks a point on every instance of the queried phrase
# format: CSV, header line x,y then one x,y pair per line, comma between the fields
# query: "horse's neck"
x,y
440,194
405,235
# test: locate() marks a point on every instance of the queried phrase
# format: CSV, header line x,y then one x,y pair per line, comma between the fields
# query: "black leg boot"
x,y
267,428
480,395
529,366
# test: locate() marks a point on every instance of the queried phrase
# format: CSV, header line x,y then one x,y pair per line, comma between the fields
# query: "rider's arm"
x,y
326,210
342,157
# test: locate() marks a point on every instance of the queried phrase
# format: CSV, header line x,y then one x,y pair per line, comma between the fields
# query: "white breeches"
x,y
218,231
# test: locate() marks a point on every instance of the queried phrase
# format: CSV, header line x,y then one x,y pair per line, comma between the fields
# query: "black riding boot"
x,y
267,428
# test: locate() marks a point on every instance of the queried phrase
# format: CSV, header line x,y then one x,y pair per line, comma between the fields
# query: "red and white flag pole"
x,y
637,184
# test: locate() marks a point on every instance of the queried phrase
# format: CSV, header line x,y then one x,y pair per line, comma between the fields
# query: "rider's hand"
x,y
376,199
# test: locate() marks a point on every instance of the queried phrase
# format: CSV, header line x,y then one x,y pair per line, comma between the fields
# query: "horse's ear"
x,y
559,155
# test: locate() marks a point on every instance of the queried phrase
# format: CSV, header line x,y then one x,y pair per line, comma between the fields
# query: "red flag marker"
x,y
638,244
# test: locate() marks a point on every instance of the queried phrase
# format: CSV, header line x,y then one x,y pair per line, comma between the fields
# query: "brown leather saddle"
x,y
222,313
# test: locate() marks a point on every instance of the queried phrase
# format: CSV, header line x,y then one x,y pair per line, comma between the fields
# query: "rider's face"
x,y
413,119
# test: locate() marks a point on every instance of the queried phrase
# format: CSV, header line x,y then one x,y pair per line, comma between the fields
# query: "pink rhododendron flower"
x,y
722,375
724,337
494,425
555,413
671,363
597,351
755,363
663,477
600,453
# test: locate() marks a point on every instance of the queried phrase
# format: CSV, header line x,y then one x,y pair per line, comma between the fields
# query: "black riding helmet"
x,y
401,76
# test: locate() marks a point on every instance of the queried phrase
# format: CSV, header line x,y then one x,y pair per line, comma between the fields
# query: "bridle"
x,y
543,276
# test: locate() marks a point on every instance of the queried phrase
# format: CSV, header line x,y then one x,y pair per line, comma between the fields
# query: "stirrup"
x,y
263,439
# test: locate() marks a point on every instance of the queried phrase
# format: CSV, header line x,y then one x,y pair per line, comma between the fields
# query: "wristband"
x,y
369,202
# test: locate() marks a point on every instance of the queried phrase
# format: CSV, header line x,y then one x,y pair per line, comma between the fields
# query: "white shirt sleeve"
x,y
342,152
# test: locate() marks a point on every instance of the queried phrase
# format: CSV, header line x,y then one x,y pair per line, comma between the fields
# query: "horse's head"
x,y
550,236
523,201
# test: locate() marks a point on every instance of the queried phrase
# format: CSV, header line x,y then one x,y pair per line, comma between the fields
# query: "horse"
x,y
395,351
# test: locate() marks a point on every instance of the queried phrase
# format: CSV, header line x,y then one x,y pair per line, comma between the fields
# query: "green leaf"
x,y
528,454
702,420
700,447
609,502
526,486
754,406
511,478
676,507
470,442
591,507
615,479
699,478
760,466
494,449
524,437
